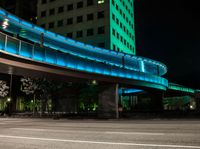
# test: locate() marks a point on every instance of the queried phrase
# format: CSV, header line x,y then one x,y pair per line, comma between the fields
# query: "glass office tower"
x,y
104,23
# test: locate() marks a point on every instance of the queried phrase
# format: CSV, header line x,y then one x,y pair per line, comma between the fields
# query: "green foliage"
x,y
176,102
88,99
43,92
125,103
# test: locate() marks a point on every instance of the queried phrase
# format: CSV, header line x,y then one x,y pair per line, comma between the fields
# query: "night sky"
x,y
169,31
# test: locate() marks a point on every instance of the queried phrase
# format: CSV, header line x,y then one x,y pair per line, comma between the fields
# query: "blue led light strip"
x,y
113,56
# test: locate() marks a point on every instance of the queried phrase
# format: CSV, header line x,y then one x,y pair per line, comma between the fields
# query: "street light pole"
x,y
10,99
10,85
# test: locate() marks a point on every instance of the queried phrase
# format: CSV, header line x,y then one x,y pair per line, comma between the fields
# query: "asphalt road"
x,y
96,134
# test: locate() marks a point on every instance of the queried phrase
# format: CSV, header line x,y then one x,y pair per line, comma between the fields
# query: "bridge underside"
x,y
23,53
10,64
108,95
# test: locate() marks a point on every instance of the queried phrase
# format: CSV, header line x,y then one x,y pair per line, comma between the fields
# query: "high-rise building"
x,y
25,9
103,23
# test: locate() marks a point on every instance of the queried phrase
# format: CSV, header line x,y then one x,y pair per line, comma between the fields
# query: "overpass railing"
x,y
33,33
14,46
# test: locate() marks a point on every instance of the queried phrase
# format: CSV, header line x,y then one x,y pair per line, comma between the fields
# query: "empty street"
x,y
98,134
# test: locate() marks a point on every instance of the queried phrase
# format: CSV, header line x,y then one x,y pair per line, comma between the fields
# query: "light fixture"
x,y
9,99
5,24
100,1
94,82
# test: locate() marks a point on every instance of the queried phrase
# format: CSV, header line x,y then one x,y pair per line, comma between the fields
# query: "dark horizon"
x,y
167,31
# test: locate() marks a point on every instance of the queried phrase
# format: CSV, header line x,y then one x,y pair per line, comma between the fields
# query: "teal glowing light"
x,y
51,56
75,48
129,91
177,87
122,32
61,51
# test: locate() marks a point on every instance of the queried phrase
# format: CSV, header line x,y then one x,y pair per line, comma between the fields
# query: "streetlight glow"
x,y
9,99
94,82
5,24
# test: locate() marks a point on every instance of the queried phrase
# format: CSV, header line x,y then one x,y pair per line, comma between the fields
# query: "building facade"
x,y
22,8
104,23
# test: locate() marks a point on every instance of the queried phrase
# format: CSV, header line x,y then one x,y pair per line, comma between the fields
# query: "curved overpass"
x,y
20,46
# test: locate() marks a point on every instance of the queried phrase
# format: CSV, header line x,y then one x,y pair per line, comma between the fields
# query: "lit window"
x,y
100,1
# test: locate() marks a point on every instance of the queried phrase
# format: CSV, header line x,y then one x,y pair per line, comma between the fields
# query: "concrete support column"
x,y
197,100
108,101
156,99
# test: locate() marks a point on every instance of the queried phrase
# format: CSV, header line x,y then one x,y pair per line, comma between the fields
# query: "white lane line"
x,y
101,143
50,130
134,133
32,129
95,132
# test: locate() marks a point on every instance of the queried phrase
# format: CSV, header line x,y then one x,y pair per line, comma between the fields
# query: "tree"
x,y
4,89
42,89
89,98
29,87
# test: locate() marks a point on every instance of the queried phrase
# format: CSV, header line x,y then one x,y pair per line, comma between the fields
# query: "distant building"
x,y
103,23
25,9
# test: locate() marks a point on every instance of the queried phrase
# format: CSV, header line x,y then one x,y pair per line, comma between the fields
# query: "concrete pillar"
x,y
197,100
157,101
66,100
108,101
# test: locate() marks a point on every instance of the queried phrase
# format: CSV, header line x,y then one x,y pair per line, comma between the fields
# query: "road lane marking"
x,y
32,129
101,143
96,132
134,133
